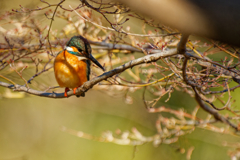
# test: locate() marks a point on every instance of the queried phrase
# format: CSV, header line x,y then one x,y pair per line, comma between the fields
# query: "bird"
x,y
72,65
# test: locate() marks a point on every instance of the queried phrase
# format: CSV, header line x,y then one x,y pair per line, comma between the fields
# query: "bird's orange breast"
x,y
69,70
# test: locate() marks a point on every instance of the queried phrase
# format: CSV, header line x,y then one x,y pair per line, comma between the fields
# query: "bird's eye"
x,y
80,50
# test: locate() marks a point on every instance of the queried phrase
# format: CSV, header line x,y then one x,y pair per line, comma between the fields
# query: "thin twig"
x,y
52,19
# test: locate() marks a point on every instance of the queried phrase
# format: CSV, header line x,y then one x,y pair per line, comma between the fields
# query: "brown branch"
x,y
185,76
175,112
38,73
99,45
122,31
227,104
110,46
52,19
212,111
225,90
26,10
89,84
181,47
211,64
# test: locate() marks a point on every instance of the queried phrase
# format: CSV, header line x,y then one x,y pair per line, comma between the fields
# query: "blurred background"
x,y
30,127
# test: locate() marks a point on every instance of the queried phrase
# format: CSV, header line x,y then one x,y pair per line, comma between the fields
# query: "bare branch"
x,y
89,84
213,112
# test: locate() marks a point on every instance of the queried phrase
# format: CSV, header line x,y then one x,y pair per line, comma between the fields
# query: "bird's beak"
x,y
95,61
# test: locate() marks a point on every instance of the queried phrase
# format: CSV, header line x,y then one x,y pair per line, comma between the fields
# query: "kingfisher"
x,y
72,65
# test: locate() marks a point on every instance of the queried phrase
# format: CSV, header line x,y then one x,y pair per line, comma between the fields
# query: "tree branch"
x,y
212,111
89,84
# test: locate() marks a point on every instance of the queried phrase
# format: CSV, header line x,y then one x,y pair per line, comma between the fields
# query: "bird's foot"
x,y
66,90
74,90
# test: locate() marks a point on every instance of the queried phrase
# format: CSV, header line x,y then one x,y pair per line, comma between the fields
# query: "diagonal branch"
x,y
89,84
212,111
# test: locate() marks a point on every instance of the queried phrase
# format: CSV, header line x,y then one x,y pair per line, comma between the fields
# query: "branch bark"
x,y
89,84
213,112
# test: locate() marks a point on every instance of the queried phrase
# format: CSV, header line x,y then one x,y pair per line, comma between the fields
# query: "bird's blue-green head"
x,y
80,47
